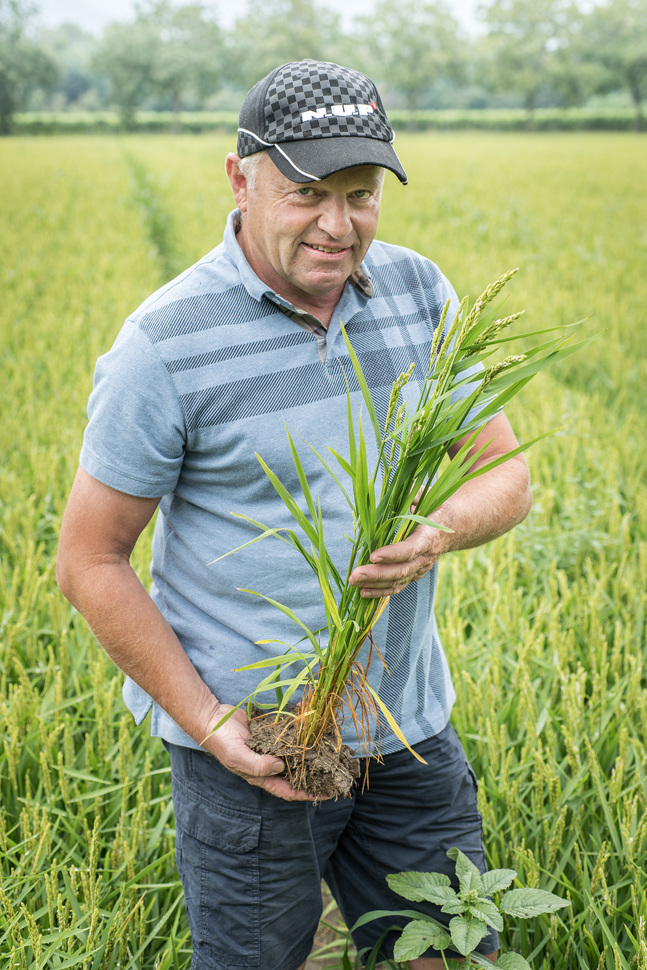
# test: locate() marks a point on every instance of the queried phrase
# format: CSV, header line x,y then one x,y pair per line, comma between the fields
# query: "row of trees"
x,y
177,55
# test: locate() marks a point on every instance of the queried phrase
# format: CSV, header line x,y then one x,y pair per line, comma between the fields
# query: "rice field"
x,y
544,629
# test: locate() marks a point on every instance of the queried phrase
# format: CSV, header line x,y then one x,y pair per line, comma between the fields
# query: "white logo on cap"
x,y
338,111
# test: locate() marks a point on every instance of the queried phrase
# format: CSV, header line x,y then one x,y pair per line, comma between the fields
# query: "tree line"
x,y
178,56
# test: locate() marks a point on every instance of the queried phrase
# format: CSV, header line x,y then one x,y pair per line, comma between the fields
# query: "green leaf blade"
x,y
497,879
468,875
363,386
290,503
417,885
303,481
526,903
290,614
466,934
417,937
488,912
512,961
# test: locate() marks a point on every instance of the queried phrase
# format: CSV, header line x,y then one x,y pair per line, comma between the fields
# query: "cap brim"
x,y
317,158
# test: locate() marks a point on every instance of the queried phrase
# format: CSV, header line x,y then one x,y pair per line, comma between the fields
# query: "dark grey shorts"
x,y
251,864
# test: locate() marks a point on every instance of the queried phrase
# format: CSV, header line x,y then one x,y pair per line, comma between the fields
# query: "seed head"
x,y
486,297
395,394
492,331
502,365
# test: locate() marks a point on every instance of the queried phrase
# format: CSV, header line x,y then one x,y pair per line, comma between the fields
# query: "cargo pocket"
x,y
219,867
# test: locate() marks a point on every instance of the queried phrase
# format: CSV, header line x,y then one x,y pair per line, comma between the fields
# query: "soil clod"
x,y
325,770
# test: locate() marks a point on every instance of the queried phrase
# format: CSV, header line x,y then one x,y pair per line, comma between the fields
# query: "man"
x,y
202,376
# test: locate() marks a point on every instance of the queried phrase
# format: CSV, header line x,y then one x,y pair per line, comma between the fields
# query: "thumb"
x,y
276,767
267,764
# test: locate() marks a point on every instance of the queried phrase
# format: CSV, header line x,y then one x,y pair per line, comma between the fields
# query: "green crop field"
x,y
544,629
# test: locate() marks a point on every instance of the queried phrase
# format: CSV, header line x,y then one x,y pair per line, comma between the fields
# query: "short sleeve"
x,y
135,437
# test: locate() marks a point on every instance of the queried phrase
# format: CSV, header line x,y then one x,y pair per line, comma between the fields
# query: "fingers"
x,y
393,568
280,788
230,748
261,770
245,762
421,542
385,580
376,588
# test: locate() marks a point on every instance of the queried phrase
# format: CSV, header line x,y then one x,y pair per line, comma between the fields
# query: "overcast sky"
x,y
93,15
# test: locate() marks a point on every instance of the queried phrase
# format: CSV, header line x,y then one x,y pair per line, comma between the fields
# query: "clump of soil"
x,y
326,770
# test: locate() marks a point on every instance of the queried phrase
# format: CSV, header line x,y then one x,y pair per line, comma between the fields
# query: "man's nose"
x,y
335,218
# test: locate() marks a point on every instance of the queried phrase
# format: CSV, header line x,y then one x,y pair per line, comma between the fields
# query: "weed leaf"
x,y
512,961
526,903
468,875
497,879
450,904
417,885
417,937
467,933
487,911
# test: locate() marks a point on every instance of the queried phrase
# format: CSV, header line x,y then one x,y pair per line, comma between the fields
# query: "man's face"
x,y
305,239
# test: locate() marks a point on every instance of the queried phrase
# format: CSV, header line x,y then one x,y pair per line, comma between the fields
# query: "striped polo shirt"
x,y
206,374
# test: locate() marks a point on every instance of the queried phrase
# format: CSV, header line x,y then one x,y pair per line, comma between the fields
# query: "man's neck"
x,y
322,312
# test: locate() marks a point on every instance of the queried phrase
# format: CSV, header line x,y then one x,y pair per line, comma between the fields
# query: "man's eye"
x,y
305,191
361,193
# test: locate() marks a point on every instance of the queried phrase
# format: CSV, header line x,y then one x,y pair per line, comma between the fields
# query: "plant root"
x,y
325,770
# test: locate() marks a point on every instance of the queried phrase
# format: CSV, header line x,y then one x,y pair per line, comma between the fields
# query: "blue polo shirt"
x,y
206,373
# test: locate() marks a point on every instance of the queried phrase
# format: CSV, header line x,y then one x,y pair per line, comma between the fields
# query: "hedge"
x,y
226,122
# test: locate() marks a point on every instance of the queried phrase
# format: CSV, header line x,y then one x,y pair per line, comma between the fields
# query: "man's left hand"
x,y
393,567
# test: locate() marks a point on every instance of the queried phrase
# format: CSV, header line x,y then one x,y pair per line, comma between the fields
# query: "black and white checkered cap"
x,y
315,118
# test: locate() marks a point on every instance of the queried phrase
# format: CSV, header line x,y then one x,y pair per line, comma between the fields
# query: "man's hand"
x,y
393,567
228,745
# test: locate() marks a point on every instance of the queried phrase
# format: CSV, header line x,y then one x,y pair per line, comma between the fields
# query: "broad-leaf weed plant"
x,y
472,910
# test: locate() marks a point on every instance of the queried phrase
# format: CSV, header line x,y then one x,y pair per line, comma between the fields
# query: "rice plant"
x,y
409,482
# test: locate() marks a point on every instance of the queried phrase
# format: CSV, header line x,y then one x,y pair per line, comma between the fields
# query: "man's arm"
x,y
479,511
99,531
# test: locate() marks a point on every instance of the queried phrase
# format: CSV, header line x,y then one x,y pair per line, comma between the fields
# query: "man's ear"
x,y
237,180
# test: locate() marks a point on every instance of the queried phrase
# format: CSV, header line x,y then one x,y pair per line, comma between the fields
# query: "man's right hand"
x,y
227,744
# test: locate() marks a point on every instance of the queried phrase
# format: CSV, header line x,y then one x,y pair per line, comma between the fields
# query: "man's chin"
x,y
324,280
323,289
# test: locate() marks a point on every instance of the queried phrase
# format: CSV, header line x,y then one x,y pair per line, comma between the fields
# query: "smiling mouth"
x,y
326,249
